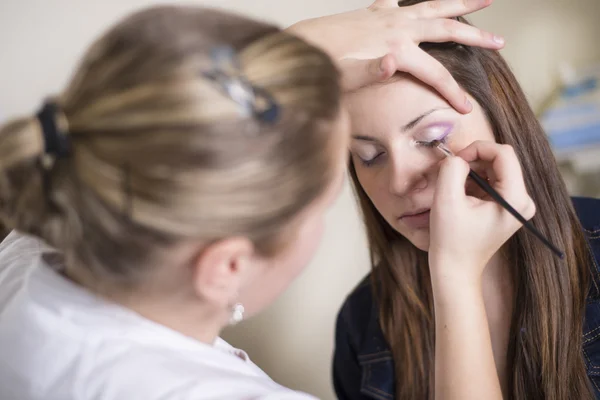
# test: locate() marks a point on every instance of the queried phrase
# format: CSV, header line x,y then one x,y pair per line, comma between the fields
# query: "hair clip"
x,y
227,74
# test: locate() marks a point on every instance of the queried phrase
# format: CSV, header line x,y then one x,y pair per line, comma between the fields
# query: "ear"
x,y
221,270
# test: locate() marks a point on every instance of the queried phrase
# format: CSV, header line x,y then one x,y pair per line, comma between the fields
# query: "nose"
x,y
409,172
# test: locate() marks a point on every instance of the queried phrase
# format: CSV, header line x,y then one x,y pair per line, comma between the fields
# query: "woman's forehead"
x,y
392,103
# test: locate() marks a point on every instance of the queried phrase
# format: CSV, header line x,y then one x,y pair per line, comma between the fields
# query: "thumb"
x,y
452,178
357,73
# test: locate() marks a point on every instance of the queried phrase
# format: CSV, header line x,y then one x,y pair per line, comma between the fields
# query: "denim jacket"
x,y
363,367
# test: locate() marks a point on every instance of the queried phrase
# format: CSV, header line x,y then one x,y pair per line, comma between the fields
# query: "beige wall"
x,y
40,40
543,33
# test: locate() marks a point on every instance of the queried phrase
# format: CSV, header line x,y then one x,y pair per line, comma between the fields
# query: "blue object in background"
x,y
572,122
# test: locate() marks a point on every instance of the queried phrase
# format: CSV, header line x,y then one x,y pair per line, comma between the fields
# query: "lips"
x,y
418,219
414,213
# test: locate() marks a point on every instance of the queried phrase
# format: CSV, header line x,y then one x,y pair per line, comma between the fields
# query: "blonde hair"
x,y
159,153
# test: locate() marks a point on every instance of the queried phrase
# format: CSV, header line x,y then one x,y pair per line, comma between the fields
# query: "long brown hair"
x,y
160,154
545,349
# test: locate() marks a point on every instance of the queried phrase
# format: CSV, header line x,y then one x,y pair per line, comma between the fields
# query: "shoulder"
x,y
19,249
171,375
358,318
359,303
588,211
19,254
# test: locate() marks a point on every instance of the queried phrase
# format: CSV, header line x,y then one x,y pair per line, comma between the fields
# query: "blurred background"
x,y
552,46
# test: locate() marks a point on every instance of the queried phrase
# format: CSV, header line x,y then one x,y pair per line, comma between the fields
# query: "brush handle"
x,y
483,184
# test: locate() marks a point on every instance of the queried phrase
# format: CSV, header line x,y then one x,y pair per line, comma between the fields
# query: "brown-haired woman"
x,y
179,181
541,312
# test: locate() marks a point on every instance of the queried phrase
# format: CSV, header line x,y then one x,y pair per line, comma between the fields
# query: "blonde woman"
x,y
178,185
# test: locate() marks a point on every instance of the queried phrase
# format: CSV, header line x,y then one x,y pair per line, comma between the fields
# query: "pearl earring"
x,y
237,314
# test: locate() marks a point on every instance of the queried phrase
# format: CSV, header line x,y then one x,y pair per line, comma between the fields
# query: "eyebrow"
x,y
405,128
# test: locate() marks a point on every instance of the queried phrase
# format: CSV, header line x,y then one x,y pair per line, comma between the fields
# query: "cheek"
x,y
284,268
308,243
301,250
376,187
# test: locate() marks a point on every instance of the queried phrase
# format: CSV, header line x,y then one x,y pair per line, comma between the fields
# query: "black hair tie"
x,y
56,142
56,145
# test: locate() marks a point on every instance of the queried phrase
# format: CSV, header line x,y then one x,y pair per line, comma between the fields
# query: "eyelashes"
x,y
432,143
436,133
369,163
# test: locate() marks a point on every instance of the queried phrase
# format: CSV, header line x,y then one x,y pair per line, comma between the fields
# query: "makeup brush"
x,y
483,184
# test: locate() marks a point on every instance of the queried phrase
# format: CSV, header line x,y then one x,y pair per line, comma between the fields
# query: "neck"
x,y
193,320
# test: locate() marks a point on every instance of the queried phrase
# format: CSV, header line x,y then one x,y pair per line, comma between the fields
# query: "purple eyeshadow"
x,y
445,126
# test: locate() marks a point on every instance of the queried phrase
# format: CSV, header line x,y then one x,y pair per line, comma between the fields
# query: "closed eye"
x,y
367,150
371,161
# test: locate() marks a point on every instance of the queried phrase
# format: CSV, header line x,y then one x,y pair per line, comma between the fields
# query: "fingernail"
x,y
384,67
468,104
498,39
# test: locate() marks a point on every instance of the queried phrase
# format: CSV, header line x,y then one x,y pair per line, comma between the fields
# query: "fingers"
x,y
449,30
503,165
430,71
388,66
500,158
451,180
412,60
447,8
528,211
358,73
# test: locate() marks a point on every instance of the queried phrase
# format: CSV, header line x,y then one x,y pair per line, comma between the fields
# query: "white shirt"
x,y
60,342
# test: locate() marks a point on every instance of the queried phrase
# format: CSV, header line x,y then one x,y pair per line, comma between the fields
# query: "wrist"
x,y
451,281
